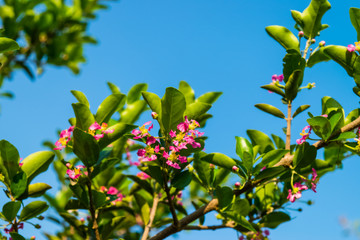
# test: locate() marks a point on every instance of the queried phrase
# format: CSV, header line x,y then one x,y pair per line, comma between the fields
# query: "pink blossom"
x,y
296,193
165,155
173,164
313,187
142,175
76,173
71,129
182,159
183,127
279,78
94,126
314,174
108,131
150,140
351,48
304,135
157,149
196,145
266,232
172,133
112,191
141,152
98,136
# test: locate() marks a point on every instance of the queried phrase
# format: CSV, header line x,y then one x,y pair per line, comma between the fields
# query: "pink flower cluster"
x,y
180,139
260,235
76,172
295,193
275,79
304,135
142,175
353,48
65,137
112,191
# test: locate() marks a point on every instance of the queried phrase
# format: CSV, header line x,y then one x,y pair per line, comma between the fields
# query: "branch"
x,y
92,210
152,216
288,127
229,224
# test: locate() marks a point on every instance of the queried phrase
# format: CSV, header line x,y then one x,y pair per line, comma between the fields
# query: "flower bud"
x,y
37,226
41,217
82,220
212,166
32,238
68,165
154,115
237,184
313,41
235,168
301,34
322,43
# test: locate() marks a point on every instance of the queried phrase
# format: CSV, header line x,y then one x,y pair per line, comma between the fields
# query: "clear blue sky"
x,y
214,46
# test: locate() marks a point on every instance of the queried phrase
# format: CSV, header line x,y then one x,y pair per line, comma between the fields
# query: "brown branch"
x,y
171,204
92,210
213,204
230,224
152,216
288,127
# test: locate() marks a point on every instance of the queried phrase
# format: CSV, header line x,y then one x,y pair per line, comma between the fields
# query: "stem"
x,y
288,128
230,224
308,43
152,216
171,205
92,210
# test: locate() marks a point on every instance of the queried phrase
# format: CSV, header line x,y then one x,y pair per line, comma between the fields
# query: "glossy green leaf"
x,y
283,36
209,97
156,173
242,207
317,57
154,103
133,111
32,210
9,161
74,204
311,17
80,97
274,219
243,145
7,44
329,104
142,183
220,177
344,136
269,173
240,220
202,168
108,107
10,209
354,114
261,139
37,189
134,93
18,184
36,163
300,110
270,109
334,120
173,106
196,109
111,226
304,155
293,61
321,126
275,89
279,142
16,236
188,92
84,118
181,180
119,130
114,89
342,56
99,198
273,156
355,20
85,147
220,159
292,85
225,196
143,207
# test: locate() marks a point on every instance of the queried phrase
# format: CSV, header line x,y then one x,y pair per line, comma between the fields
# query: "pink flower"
x,y
108,131
76,173
142,175
142,131
351,48
296,192
141,152
304,135
182,159
150,140
165,155
113,191
183,127
172,133
173,164
94,126
266,232
279,78
313,186
314,174
98,136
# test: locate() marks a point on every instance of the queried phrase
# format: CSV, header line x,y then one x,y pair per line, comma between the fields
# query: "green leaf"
x,y
355,20
154,103
273,157
283,36
279,142
334,120
202,168
292,62
143,183
356,90
7,44
300,110
18,184
74,204
275,89
173,106
329,104
16,236
156,173
99,199
274,219
196,109
188,92
317,57
342,56
220,176
84,118
9,161
37,189
80,97
111,226
32,210
304,155
133,111
354,114
220,159
144,208
270,173
10,209
108,107
242,207
261,139
311,17
270,109
321,126
85,147
225,196
245,151
209,97
119,130
134,93
36,163
240,220
292,85
181,180
344,136
114,89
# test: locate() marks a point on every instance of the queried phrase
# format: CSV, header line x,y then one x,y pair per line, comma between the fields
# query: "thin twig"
x,y
92,210
152,216
229,224
288,127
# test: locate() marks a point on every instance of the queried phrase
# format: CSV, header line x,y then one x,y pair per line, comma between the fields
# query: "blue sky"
x,y
214,46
